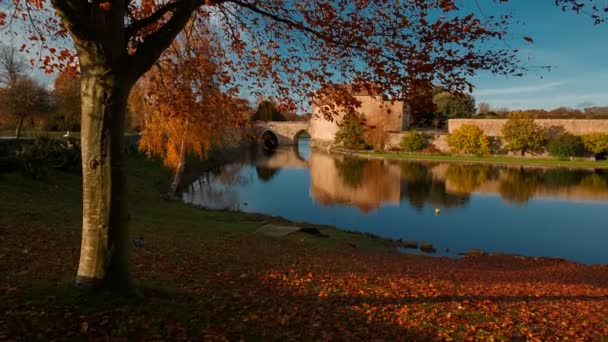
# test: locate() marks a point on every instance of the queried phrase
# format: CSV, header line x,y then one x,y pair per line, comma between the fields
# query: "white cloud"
x,y
518,90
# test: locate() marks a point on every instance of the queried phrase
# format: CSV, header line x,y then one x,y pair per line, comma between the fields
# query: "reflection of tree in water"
x,y
518,185
561,177
466,178
420,187
597,181
266,173
213,188
350,171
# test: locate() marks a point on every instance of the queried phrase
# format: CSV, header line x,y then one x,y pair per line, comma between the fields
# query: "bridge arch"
x,y
286,131
269,140
300,148
299,133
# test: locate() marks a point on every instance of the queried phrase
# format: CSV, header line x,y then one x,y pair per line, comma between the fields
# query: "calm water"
x,y
524,210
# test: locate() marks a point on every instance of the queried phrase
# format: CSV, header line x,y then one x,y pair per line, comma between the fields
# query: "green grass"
x,y
577,163
56,202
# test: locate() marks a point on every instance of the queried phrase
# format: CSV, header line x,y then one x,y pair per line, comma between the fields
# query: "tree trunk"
x,y
104,249
179,171
19,126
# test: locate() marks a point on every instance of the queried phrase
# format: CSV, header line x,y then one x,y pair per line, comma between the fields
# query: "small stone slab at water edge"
x,y
274,230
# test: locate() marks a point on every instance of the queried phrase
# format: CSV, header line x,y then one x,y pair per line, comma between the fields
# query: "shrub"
x,y
469,139
351,132
415,141
45,153
596,143
522,134
566,145
432,149
376,138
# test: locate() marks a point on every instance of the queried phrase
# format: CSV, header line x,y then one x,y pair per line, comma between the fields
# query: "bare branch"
x,y
132,29
75,22
155,43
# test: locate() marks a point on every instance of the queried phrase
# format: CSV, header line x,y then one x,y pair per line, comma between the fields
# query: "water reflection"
x,y
528,210
364,184
369,183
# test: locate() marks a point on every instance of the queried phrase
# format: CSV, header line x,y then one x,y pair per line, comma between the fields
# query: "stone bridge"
x,y
285,132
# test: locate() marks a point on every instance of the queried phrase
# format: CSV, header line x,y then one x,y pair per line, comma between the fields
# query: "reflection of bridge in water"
x,y
287,157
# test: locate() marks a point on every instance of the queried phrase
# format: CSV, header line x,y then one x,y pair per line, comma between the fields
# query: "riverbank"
x,y
207,275
501,160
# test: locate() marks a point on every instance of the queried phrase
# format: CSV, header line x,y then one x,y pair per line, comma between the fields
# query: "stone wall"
x,y
493,127
387,115
393,141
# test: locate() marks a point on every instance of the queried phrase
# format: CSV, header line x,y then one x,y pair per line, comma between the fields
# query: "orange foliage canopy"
x,y
179,104
281,46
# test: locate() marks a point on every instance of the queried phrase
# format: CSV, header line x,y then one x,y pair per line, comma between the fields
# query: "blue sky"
x,y
576,49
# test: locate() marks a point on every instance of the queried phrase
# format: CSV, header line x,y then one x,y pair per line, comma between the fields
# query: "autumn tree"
x,y
351,132
186,111
67,100
294,45
24,98
522,134
596,143
469,139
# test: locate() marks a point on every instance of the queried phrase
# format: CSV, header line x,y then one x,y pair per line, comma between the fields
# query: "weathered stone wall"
x,y
493,127
388,115
393,141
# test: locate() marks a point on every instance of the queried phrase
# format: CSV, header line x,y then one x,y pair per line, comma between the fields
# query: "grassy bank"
x,y
206,275
577,163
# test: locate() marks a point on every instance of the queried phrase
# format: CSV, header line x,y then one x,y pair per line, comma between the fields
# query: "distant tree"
x,y
454,105
596,143
565,145
415,141
12,65
522,134
483,108
420,100
267,111
565,112
596,111
469,139
25,98
351,132
67,100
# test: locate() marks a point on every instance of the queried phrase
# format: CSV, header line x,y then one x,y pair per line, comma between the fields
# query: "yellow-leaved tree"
x,y
179,104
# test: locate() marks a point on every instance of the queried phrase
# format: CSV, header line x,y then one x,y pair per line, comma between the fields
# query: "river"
x,y
532,211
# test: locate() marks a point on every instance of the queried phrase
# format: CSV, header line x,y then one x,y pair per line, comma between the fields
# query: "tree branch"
x,y
132,29
73,20
155,43
297,25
